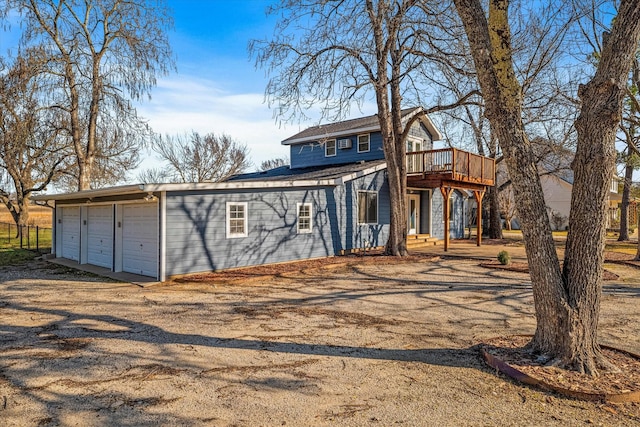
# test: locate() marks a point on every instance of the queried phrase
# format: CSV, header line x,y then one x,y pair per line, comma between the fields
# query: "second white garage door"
x,y
140,239
71,233
100,236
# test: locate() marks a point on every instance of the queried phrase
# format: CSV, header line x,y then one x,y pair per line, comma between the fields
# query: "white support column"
x,y
117,258
84,234
162,206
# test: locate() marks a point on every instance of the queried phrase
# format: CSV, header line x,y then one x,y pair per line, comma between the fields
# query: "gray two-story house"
x,y
331,200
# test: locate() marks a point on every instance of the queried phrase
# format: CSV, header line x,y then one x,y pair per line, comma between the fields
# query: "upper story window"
x,y
414,144
614,185
367,207
330,148
364,144
237,219
305,223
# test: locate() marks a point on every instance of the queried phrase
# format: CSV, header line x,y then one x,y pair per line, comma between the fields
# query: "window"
x,y
363,143
236,219
367,207
304,218
330,148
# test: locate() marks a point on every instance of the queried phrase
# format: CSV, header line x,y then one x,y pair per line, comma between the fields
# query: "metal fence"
x,y
32,237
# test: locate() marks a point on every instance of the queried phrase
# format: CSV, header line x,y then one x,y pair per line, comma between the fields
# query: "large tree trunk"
x,y
495,223
390,119
566,304
594,166
624,205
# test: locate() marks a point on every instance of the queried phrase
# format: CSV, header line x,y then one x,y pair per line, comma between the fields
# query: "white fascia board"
x,y
236,185
318,136
435,133
155,188
86,194
361,173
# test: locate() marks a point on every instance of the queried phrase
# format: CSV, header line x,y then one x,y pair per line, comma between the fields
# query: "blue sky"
x,y
216,87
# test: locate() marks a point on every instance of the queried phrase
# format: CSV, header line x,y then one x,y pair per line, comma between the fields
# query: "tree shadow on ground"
x,y
72,338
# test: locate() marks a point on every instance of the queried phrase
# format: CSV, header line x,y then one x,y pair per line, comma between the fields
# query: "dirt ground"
x,y
366,344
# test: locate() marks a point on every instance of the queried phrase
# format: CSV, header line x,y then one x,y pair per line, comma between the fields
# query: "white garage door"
x,y
140,239
100,236
71,233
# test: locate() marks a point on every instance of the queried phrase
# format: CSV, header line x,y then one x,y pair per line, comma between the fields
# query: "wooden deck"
x,y
450,167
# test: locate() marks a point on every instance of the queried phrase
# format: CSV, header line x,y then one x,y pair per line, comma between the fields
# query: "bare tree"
x,y
274,163
102,53
630,127
539,40
507,206
350,51
196,158
154,176
567,301
32,150
594,25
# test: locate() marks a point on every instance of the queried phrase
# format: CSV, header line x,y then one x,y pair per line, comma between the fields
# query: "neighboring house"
x,y
557,189
556,179
333,199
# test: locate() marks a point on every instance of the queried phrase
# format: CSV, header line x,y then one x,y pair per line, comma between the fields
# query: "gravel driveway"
x,y
376,345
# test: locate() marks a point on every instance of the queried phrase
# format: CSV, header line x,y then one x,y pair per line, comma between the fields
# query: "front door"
x,y
413,217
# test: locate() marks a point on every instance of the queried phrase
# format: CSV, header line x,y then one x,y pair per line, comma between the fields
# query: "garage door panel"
x,y
100,236
140,239
71,233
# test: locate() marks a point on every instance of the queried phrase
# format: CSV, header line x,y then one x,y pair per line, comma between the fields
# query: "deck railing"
x,y
462,165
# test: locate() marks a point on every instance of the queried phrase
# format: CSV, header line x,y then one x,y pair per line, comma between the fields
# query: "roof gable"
x,y
359,125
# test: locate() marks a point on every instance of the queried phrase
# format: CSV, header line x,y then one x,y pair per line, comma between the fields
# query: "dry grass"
x,y
38,215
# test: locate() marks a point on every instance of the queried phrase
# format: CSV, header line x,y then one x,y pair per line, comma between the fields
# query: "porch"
x,y
449,169
446,166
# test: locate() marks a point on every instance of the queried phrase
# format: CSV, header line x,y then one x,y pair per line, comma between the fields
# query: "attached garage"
x,y
140,239
120,233
100,236
70,233
167,230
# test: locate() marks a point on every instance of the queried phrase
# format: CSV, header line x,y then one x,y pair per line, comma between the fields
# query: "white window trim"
x,y
246,220
377,207
368,135
310,205
335,148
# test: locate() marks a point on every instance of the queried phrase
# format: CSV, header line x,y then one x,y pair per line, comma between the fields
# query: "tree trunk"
x,y
594,166
624,205
566,304
390,119
19,210
495,223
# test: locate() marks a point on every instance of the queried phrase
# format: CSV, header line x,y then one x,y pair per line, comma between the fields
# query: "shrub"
x,y
504,257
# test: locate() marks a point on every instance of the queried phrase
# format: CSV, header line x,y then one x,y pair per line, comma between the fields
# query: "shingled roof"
x,y
362,124
284,173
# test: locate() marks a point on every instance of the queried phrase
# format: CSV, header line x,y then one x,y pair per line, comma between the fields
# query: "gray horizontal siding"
x,y
196,226
425,212
419,130
312,153
196,230
357,235
456,225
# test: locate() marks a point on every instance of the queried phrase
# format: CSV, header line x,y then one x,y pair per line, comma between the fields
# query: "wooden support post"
x,y
479,196
446,193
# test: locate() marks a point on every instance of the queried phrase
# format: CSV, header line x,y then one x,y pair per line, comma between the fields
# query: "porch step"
x,y
421,240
